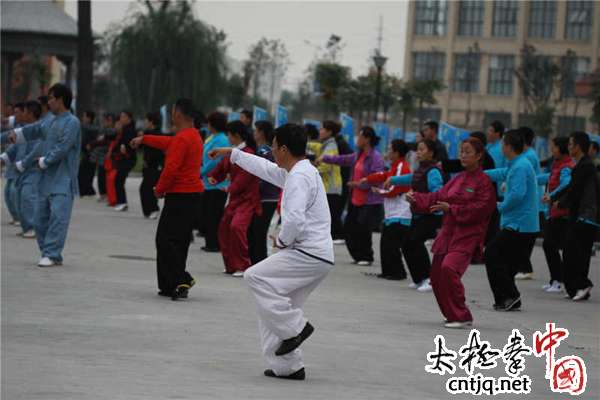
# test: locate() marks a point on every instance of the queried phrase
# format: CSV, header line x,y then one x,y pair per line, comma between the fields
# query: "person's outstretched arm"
x,y
257,166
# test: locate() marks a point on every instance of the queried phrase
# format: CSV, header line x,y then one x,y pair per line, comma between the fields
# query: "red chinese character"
x,y
568,374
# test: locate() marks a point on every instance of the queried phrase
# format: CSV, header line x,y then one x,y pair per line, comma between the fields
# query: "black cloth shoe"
x,y
291,344
299,375
509,305
181,291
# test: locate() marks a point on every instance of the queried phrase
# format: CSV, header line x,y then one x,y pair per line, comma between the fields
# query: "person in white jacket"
x,y
282,282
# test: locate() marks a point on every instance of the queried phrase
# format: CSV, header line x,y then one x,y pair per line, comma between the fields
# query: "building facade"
x,y
473,47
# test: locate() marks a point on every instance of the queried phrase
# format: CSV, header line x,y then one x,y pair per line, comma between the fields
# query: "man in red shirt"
x,y
181,187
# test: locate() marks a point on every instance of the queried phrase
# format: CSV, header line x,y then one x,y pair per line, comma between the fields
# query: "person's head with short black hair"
x,y
397,150
579,144
312,133
19,106
199,120
152,120
594,149
430,130
238,133
426,150
329,129
59,98
559,147
33,111
479,135
528,135
109,119
495,131
512,143
183,113
289,145
88,117
126,119
367,138
19,112
263,132
217,122
246,117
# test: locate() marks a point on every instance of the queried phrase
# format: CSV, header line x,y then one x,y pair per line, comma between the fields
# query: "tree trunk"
x,y
85,56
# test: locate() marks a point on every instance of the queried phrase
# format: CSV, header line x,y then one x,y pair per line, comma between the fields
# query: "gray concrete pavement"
x,y
95,328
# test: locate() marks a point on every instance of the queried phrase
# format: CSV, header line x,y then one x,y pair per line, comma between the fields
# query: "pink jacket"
x,y
472,201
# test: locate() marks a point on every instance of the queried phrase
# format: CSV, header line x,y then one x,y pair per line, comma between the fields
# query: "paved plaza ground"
x,y
95,328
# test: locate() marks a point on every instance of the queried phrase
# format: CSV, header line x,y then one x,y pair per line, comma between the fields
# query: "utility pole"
x,y
379,61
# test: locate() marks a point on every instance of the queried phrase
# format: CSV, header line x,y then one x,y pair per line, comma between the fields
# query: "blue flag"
x,y
540,145
313,122
260,114
281,116
451,136
233,116
348,129
383,131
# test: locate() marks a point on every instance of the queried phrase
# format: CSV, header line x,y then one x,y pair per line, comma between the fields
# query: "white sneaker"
x,y
46,262
458,324
547,286
522,276
556,287
153,215
582,294
364,263
425,286
339,242
30,234
413,285
121,207
238,274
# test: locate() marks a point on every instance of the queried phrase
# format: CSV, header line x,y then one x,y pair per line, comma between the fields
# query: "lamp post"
x,y
379,61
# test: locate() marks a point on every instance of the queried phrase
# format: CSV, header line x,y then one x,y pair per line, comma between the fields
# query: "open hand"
x,y
546,198
275,245
440,206
136,142
212,180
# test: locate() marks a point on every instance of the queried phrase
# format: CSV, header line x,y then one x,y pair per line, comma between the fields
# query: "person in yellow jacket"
x,y
332,177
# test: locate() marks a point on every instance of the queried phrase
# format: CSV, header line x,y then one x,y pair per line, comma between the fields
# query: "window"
x,y
566,125
491,116
466,73
428,66
575,68
431,17
542,19
505,18
470,18
500,77
579,20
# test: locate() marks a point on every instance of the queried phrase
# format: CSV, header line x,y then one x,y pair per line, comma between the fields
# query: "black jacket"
x,y
582,194
153,158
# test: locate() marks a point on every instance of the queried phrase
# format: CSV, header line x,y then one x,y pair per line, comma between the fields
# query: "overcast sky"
x,y
245,22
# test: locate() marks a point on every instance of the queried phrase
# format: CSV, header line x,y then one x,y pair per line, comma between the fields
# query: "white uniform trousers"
x,y
281,284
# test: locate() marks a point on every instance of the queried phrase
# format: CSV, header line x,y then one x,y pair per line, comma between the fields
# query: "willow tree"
x,y
163,52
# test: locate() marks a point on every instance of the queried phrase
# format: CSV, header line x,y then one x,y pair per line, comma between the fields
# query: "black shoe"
x,y
181,291
395,278
296,376
211,249
163,293
509,305
291,344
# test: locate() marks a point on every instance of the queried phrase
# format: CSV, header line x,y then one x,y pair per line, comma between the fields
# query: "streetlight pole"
x,y
379,61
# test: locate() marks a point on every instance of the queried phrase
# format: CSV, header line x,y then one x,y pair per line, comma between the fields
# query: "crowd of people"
x,y
229,181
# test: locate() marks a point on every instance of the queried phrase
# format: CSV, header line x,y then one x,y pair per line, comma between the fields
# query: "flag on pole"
x,y
313,122
260,114
383,131
348,129
164,118
281,116
233,116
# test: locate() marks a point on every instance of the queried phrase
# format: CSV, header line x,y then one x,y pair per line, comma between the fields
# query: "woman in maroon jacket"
x,y
467,202
242,204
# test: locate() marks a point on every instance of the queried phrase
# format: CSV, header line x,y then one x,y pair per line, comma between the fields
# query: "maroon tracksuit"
x,y
243,203
472,200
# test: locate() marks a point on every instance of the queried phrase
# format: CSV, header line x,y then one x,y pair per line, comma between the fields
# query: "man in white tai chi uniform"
x,y
282,282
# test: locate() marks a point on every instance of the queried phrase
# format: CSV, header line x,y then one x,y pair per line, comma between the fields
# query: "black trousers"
x,y
213,205
149,201
101,174
577,255
392,240
87,170
555,233
503,255
336,208
173,240
359,226
422,228
526,266
123,170
258,230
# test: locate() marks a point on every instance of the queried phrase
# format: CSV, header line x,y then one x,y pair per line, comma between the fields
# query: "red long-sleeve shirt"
x,y
380,177
183,159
